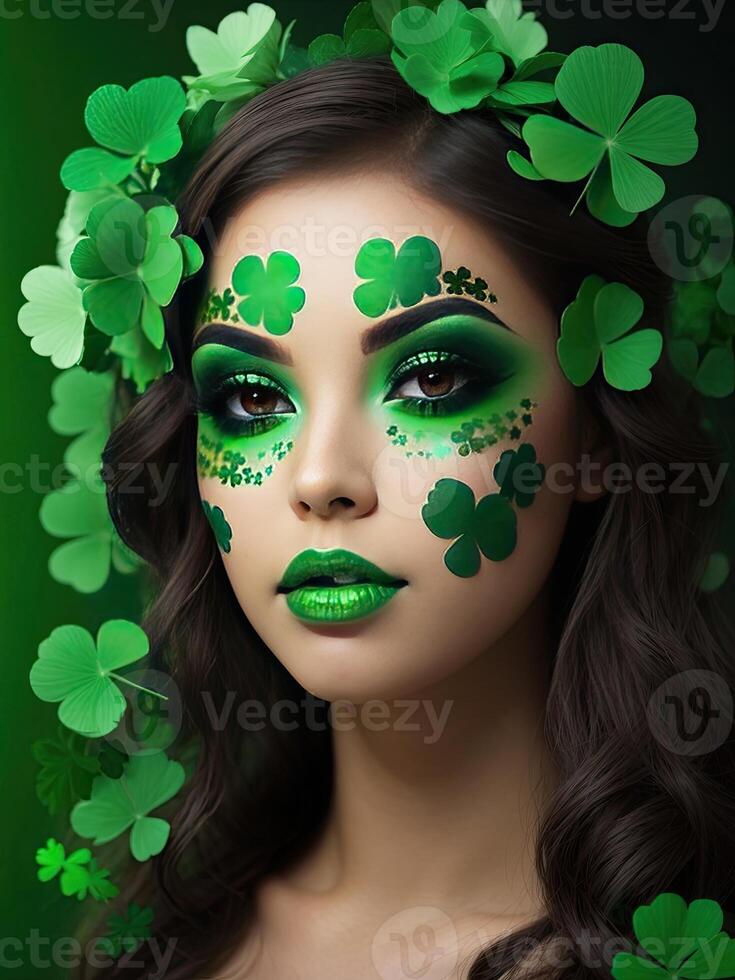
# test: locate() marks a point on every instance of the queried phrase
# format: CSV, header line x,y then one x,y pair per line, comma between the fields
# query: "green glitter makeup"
x,y
218,306
218,523
473,436
459,383
246,415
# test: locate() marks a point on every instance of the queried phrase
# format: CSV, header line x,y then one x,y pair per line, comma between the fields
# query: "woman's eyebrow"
x,y
249,343
389,330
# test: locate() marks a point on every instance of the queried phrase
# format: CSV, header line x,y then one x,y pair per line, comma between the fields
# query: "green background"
x,y
53,55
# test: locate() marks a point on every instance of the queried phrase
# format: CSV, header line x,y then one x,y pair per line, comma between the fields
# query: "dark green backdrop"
x,y
48,67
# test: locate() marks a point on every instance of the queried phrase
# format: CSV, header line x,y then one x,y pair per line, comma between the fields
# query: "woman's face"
x,y
354,400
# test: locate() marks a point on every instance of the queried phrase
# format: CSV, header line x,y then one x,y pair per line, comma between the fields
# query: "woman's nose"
x,y
333,475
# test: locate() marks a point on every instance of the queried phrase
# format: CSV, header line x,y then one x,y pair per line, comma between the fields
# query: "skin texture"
x,y
396,842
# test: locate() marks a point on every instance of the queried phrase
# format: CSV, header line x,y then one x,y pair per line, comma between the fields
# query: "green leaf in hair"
x,y
598,87
598,324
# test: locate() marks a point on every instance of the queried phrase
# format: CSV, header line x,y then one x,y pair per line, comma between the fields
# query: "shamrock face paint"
x,y
404,278
392,424
489,526
218,523
266,294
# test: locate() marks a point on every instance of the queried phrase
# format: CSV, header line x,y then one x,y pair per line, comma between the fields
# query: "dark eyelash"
x,y
478,383
212,402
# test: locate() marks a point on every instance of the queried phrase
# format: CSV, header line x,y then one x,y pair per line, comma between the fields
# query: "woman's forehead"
x,y
325,222
325,226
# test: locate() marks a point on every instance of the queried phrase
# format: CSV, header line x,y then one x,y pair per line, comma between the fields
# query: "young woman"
x,y
493,791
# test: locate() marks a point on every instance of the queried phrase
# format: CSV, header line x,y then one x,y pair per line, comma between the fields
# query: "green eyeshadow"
x,y
228,450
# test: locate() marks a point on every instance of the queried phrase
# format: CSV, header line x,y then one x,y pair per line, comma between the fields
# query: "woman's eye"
x,y
432,381
257,400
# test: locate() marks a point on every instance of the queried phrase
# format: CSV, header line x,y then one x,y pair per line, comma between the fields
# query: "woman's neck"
x,y
437,795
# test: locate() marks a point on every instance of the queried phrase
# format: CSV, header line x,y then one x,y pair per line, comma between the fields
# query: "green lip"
x,y
318,602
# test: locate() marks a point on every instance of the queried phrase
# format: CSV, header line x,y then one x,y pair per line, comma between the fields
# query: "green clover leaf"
x,y
461,283
66,770
115,805
271,297
713,374
218,523
139,124
515,33
79,871
72,670
54,316
702,330
518,474
490,526
140,361
52,860
598,87
74,220
79,511
94,880
385,10
444,57
83,402
683,942
133,265
597,324
396,279
362,37
240,59
127,932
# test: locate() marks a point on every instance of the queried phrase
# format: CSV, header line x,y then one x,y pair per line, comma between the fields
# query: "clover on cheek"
x,y
220,526
489,526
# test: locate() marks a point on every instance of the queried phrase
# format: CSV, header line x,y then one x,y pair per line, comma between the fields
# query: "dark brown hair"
x,y
630,818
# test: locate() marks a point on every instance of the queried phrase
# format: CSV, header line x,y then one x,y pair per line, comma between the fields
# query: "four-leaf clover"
x,y
597,324
72,670
396,279
139,124
444,56
488,526
599,87
271,297
116,805
683,942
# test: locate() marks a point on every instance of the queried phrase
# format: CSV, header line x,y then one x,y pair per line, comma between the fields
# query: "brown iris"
x,y
436,382
258,400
